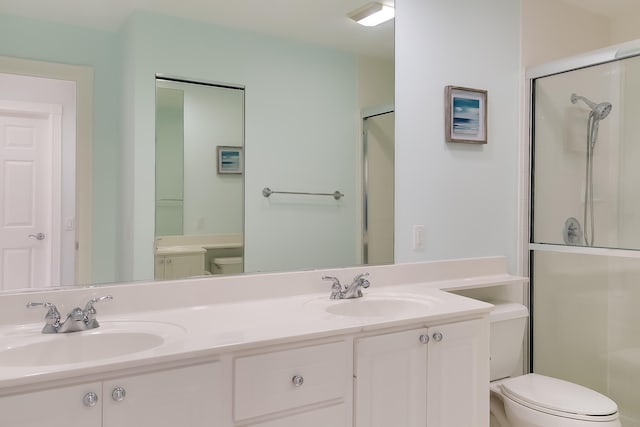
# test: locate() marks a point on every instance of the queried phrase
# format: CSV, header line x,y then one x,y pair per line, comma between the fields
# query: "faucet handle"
x,y
361,279
90,311
52,318
89,305
336,287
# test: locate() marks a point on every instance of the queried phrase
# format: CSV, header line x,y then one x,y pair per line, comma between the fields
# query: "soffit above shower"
x,y
610,8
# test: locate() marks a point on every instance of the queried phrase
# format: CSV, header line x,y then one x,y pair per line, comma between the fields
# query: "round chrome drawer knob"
x,y
90,399
297,380
437,336
118,394
424,338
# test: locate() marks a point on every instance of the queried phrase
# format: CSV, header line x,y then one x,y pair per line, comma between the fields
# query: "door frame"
x,y
83,78
365,114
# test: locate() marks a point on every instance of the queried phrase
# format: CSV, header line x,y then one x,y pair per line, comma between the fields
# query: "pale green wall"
x,y
170,160
44,41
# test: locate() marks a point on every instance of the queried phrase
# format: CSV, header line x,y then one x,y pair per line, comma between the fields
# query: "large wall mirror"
x,y
302,81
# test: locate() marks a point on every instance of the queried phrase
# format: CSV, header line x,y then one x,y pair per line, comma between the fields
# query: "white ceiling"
x,y
321,22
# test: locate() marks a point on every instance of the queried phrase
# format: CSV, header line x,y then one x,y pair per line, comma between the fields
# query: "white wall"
x,y
553,29
213,203
465,195
625,27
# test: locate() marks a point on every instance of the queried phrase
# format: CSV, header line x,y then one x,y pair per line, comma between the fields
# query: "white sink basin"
x,y
110,340
380,306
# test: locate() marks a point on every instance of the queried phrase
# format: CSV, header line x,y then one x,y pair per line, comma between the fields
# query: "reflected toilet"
x,y
226,265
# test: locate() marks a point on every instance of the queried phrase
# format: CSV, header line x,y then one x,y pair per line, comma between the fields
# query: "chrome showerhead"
x,y
599,111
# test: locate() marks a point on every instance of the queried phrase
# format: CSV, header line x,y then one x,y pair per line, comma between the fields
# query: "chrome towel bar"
x,y
266,192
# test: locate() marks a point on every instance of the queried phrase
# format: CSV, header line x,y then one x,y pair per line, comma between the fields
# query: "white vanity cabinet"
x,y
59,407
433,377
185,397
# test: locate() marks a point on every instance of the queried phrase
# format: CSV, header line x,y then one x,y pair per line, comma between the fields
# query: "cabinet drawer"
x,y
265,383
333,416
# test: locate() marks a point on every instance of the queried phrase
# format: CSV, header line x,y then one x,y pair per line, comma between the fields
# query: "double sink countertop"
x,y
127,341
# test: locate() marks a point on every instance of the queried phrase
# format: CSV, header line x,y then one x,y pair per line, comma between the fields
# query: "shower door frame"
x,y
598,57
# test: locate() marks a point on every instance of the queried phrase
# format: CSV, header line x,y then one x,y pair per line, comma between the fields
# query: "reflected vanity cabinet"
x,y
186,397
177,266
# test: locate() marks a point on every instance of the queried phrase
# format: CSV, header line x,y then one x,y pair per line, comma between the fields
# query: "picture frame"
x,y
465,115
230,159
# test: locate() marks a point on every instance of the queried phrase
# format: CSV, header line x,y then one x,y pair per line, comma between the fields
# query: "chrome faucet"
x,y
354,290
78,319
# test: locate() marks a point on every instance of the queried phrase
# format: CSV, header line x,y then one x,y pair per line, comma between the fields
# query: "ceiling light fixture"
x,y
372,14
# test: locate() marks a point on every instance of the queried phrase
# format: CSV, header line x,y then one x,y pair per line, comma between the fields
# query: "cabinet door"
x,y
458,375
159,267
60,407
179,266
185,397
391,380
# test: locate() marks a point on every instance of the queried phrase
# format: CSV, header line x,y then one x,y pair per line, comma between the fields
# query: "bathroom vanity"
x,y
408,355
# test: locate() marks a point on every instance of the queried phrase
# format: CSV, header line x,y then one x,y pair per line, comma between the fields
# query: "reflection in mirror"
x,y
306,89
379,155
199,207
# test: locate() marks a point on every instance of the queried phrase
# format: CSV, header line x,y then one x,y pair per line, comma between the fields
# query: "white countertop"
x,y
216,329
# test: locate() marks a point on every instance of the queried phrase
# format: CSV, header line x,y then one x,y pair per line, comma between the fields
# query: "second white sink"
x,y
380,306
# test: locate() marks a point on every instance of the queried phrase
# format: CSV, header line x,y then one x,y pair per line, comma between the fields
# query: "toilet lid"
x,y
558,396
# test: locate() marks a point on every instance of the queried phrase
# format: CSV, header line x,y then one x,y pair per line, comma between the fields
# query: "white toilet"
x,y
534,400
226,265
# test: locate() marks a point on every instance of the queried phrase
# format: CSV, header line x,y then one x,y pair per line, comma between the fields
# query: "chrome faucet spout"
x,y
76,321
354,290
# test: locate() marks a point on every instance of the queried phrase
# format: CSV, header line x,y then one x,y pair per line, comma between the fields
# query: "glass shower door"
x,y
585,235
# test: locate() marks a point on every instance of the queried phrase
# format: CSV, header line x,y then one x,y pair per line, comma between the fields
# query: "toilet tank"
x,y
508,321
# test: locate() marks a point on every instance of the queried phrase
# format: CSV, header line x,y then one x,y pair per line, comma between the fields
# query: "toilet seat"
x,y
560,398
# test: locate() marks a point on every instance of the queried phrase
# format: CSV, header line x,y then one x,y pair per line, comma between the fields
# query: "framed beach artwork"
x,y
465,115
229,159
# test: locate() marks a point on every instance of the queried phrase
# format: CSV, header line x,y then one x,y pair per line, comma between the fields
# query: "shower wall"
x,y
629,213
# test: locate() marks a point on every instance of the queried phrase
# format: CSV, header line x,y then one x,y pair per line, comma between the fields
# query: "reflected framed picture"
x,y
229,159
465,115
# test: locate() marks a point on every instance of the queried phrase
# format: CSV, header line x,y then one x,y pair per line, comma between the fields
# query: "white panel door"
x,y
391,380
26,197
185,397
458,372
58,407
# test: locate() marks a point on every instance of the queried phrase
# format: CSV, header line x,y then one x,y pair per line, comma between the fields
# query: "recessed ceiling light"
x,y
372,14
